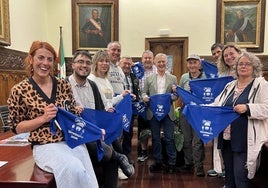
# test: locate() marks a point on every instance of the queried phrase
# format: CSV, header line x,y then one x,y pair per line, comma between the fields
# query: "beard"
x,y
81,77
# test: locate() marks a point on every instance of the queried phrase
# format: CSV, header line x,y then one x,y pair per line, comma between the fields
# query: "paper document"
x,y
2,163
16,140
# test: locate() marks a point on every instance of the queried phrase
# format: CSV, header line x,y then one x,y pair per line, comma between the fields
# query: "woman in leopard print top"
x,y
32,104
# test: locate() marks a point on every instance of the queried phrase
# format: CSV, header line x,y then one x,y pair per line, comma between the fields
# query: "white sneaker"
x,y
121,175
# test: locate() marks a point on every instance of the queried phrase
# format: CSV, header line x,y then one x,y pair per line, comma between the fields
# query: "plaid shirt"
x,y
146,74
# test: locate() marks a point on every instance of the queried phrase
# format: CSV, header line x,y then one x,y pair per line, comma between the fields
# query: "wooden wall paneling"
x,y
7,80
68,62
264,60
3,87
11,71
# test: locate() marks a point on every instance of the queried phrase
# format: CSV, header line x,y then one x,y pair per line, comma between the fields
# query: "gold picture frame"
x,y
94,24
4,23
241,22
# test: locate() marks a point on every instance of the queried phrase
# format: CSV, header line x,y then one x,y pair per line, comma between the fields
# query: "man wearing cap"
x,y
193,147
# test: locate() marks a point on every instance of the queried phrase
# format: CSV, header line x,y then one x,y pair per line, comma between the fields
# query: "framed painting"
x,y
241,22
4,23
95,24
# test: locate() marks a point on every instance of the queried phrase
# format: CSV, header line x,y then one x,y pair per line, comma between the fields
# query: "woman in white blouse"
x,y
99,74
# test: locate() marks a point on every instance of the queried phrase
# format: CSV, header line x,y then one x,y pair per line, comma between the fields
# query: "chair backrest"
x,y
3,116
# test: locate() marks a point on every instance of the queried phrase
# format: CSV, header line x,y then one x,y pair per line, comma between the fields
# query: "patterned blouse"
x,y
27,101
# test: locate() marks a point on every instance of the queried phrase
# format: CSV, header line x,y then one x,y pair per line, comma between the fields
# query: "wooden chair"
x,y
3,118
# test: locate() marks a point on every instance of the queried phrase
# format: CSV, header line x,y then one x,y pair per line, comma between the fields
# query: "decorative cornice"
x,y
11,59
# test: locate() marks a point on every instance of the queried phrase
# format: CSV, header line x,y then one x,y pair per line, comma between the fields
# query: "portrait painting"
x,y
95,24
4,23
241,22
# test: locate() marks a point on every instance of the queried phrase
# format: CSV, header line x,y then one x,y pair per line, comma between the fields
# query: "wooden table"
x,y
21,171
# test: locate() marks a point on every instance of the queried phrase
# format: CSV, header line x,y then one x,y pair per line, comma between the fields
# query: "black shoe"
x,y
130,161
171,169
128,169
200,171
186,168
156,167
143,156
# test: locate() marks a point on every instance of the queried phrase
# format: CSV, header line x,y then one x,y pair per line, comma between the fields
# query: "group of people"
x,y
34,102
236,150
102,81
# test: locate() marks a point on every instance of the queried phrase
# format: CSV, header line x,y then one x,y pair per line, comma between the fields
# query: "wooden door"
x,y
177,50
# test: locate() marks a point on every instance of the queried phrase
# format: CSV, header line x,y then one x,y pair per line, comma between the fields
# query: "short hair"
x,y
126,57
216,45
256,63
96,58
160,54
82,53
110,44
36,45
95,10
147,52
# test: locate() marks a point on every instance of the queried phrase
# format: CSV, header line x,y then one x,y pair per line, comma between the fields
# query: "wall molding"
x,y
11,59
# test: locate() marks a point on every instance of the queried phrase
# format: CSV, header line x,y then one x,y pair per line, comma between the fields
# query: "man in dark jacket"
x,y
132,84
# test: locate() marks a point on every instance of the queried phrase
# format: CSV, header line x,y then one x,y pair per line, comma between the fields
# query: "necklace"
x,y
238,90
241,87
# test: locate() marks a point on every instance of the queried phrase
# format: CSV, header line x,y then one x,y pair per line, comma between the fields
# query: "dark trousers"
x,y
235,167
127,139
142,125
167,125
117,145
110,173
193,147
106,170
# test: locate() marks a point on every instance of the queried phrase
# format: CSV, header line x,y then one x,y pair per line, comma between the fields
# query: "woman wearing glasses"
x,y
241,144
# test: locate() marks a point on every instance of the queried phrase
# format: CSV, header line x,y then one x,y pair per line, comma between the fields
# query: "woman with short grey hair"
x,y
242,142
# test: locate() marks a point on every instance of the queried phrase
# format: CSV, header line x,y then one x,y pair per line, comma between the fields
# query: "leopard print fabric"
x,y
25,103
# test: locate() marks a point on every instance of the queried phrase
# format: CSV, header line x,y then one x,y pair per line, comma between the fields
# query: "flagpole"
x,y
60,31
61,58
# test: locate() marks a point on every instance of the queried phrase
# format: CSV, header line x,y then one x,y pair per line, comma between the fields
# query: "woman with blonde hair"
x,y
226,62
225,68
99,74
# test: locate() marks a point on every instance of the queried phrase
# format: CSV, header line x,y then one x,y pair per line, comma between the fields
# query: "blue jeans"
x,y
167,126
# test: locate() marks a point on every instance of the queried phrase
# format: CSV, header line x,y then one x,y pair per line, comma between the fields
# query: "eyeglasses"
x,y
81,62
246,64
